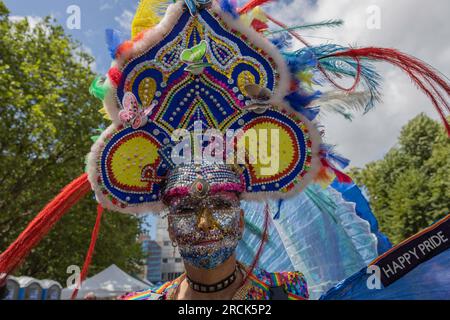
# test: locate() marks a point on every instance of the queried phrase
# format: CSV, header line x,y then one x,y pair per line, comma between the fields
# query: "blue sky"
x,y
96,16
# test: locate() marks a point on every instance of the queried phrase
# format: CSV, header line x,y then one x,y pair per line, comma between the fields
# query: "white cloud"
x,y
32,20
125,20
408,25
89,51
106,6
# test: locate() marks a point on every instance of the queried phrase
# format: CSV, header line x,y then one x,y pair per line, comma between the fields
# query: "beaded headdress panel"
x,y
205,70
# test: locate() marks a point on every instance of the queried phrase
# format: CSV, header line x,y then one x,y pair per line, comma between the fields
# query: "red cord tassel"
x,y
90,253
43,223
424,76
251,5
263,242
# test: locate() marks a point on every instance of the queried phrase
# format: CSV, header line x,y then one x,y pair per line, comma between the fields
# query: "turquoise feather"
x,y
323,24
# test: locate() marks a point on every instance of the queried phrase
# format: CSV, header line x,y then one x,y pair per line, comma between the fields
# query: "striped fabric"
x,y
145,295
293,283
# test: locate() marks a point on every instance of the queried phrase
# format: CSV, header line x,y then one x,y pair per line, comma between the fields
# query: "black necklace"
x,y
211,288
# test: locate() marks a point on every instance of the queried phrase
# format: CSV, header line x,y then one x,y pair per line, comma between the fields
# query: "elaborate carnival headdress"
x,y
207,63
197,70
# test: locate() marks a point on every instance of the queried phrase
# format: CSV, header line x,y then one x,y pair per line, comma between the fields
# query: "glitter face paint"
x,y
207,230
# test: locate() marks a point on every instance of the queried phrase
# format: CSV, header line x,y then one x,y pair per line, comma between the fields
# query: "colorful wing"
x,y
317,233
194,54
130,103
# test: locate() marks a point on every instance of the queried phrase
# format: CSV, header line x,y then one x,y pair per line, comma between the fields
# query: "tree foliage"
x,y
47,119
410,188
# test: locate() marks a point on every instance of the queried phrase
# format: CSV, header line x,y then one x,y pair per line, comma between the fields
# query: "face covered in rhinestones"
x,y
207,230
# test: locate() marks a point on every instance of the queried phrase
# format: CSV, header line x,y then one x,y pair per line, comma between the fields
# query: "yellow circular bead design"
x,y
270,149
130,157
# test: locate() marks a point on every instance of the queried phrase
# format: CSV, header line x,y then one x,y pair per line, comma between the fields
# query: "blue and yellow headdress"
x,y
210,63
190,69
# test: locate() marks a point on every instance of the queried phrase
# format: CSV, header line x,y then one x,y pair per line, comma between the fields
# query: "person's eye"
x,y
222,205
185,210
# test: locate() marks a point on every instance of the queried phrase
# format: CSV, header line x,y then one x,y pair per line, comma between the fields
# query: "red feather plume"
x,y
43,223
115,76
427,79
90,253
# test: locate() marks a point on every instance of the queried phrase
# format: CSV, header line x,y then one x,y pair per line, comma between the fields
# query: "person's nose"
x,y
205,222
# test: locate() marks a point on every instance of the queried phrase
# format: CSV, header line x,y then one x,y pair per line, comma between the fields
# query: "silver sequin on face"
x,y
207,230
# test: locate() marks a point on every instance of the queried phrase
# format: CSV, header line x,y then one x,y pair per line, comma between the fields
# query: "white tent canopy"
x,y
109,283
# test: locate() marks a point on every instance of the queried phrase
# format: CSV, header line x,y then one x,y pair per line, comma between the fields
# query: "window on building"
x,y
173,275
165,260
178,260
166,243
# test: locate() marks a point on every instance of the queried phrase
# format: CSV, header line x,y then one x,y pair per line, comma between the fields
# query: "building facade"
x,y
152,267
171,262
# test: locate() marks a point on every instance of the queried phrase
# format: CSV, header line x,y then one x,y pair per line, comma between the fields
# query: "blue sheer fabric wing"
x,y
274,256
351,193
317,233
428,281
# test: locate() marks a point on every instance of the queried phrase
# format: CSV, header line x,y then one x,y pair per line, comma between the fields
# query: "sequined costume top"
x,y
260,285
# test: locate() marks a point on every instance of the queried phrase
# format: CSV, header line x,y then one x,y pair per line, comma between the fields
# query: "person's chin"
x,y
209,256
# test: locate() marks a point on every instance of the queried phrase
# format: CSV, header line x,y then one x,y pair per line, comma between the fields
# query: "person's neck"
x,y
210,277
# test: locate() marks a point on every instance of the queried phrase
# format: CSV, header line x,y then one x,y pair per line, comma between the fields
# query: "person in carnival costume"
x,y
214,127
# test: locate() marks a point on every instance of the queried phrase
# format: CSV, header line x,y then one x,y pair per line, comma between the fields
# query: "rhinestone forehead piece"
x,y
200,188
200,179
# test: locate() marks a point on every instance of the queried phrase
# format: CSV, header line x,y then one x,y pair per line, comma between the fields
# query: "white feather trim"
x,y
151,38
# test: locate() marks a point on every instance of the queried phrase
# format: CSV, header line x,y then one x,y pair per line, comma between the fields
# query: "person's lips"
x,y
206,242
